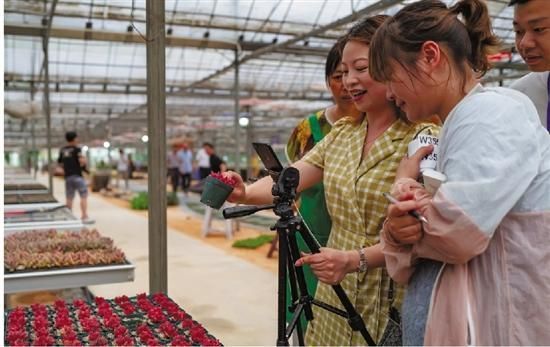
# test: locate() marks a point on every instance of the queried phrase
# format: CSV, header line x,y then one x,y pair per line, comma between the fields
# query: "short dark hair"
x,y
70,136
334,58
208,144
518,2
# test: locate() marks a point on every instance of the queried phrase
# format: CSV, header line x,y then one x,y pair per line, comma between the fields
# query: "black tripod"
x,y
284,192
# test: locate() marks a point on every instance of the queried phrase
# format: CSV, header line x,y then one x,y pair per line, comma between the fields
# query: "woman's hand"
x,y
238,194
330,265
402,227
409,167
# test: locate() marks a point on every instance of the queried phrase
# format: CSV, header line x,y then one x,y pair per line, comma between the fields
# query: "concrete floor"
x,y
234,299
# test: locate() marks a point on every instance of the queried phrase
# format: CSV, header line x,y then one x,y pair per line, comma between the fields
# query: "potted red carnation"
x,y
217,189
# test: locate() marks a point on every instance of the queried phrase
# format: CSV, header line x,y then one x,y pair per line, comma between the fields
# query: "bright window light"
x,y
243,121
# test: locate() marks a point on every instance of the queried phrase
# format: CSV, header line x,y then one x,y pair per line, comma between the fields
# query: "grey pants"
x,y
416,304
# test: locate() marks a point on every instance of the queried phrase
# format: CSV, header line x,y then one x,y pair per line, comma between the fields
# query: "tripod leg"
x,y
299,273
281,309
354,319
295,297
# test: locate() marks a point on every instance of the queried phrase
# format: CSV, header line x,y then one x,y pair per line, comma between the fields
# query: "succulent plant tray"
x,y
36,260
28,198
24,188
143,320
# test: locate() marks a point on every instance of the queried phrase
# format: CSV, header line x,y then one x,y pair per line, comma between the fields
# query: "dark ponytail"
x,y
400,38
478,24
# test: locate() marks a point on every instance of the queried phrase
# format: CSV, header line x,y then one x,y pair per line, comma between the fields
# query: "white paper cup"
x,y
429,161
432,180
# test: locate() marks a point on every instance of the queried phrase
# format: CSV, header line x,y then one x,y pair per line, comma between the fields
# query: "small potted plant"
x,y
216,190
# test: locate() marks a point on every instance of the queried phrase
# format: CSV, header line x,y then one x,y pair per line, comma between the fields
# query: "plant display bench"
x,y
143,320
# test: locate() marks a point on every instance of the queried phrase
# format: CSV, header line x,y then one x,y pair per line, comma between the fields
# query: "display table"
x,y
143,320
67,278
25,188
44,260
43,216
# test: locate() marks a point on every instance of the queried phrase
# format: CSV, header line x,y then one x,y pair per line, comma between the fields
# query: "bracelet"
x,y
363,264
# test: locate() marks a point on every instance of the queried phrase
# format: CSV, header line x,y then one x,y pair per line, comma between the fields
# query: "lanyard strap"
x,y
315,129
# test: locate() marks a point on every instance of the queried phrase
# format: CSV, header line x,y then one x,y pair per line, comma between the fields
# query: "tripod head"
x,y
283,191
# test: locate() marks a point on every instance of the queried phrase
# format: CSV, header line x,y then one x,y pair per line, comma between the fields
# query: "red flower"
x,y
18,343
71,342
168,329
152,342
59,303
94,335
78,303
124,341
99,300
180,340
197,332
227,180
179,315
121,299
128,308
186,323
207,341
113,322
101,341
121,331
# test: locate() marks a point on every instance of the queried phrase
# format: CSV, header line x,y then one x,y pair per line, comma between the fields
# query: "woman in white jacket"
x,y
478,270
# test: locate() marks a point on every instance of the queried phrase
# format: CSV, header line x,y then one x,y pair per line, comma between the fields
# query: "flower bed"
x,y
153,320
35,250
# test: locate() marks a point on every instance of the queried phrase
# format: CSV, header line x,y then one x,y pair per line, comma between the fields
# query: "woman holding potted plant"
x,y
356,162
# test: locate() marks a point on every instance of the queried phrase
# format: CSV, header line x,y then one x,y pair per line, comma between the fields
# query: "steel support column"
x,y
156,107
236,119
45,41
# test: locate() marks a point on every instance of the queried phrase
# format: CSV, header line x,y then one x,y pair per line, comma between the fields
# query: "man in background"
x,y
532,28
122,168
73,162
216,163
186,166
203,161
173,163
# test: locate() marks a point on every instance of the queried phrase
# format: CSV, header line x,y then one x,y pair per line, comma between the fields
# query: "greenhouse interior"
x,y
128,128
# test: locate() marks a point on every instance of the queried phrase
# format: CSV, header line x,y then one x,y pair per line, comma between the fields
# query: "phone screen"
x,y
268,157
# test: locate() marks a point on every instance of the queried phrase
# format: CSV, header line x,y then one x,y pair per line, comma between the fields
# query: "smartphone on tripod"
x,y
269,158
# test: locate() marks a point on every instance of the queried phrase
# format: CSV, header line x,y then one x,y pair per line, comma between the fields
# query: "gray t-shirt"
x,y
535,86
